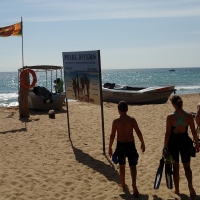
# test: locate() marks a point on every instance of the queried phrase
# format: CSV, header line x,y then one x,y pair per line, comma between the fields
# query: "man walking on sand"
x,y
124,126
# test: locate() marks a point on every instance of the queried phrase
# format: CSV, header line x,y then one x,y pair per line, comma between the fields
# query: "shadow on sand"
x,y
45,112
107,170
127,195
14,131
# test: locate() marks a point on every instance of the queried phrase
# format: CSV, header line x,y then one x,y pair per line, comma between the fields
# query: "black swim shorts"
x,y
180,143
127,149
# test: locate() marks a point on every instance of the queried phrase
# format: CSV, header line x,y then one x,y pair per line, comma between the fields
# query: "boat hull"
x,y
36,101
152,95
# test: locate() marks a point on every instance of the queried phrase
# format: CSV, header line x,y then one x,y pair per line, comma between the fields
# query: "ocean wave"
x,y
189,87
8,99
9,104
7,96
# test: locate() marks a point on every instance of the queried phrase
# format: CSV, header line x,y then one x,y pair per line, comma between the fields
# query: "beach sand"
x,y
40,161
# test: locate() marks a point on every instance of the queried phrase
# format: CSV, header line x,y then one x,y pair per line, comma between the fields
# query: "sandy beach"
x,y
40,161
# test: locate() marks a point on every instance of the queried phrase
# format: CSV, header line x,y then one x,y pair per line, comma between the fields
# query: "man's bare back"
x,y
124,127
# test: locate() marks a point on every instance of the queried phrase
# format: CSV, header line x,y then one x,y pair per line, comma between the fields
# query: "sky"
x,y
129,33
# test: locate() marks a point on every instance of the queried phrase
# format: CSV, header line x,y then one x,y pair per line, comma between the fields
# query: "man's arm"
x,y
112,137
139,134
197,118
194,133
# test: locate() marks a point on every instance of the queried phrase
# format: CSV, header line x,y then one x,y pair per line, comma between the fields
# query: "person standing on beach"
x,y
60,85
124,126
82,85
77,85
177,141
87,84
74,86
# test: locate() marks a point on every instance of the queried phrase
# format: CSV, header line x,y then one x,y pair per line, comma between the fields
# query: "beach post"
x,y
23,99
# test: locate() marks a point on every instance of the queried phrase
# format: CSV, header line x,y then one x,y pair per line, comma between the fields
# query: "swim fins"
x,y
168,175
159,174
168,159
114,158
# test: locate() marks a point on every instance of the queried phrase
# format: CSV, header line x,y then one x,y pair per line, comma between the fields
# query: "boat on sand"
x,y
45,97
112,92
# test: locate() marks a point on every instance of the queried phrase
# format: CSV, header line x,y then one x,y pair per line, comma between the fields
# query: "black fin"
x,y
168,175
159,174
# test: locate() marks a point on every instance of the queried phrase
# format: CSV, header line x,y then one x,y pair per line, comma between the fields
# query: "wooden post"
x,y
23,99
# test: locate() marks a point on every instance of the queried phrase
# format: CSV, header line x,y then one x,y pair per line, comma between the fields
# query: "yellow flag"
x,y
12,30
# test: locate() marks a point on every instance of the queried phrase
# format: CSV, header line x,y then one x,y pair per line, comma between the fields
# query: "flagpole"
x,y
22,44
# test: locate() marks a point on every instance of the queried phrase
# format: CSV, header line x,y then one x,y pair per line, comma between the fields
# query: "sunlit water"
x,y
185,80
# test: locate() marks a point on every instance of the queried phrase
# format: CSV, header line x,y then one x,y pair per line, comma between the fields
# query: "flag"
x,y
12,30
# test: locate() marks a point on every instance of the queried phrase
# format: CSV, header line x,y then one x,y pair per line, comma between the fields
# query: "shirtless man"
x,y
197,117
124,126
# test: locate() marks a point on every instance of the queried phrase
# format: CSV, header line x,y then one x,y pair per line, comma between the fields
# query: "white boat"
x,y
112,92
38,102
41,98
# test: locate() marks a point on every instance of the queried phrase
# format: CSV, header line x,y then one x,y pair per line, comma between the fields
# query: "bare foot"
x,y
192,193
124,186
136,194
176,192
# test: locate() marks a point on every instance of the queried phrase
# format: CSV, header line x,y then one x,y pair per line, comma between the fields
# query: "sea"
x,y
185,80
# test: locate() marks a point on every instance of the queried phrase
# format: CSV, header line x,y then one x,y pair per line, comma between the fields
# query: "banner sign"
x,y
82,75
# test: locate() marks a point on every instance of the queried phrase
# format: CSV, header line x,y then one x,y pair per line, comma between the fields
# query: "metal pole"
x,y
22,44
46,78
51,81
67,107
101,101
